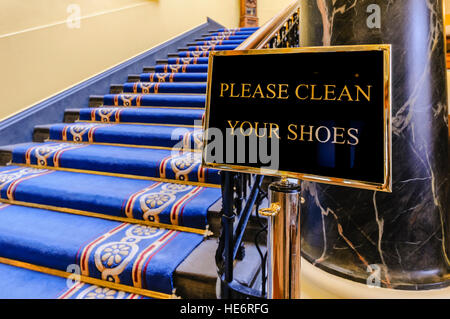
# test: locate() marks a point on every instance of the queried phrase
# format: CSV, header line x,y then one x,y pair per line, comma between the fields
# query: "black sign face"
x,y
319,114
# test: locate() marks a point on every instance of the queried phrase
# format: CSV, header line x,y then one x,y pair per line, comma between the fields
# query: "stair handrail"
x,y
261,37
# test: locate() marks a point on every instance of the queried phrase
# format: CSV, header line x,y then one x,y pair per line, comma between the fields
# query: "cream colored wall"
x,y
268,8
40,55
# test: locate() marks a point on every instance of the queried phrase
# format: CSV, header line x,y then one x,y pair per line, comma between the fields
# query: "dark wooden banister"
x,y
259,39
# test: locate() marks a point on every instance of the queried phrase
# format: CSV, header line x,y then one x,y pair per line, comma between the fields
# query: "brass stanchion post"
x,y
284,240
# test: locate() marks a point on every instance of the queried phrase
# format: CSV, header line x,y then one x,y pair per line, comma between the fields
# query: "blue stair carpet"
x,y
217,42
129,254
109,196
247,29
171,87
225,37
182,68
231,33
120,194
161,135
173,77
194,54
212,47
187,61
22,283
167,100
126,161
180,116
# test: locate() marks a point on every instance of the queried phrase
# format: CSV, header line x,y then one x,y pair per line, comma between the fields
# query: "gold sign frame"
x,y
386,186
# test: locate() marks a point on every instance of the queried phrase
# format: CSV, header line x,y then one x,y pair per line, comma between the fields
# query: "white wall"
x,y
268,8
41,55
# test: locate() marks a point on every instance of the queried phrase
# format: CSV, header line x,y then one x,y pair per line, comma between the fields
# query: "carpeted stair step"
x,y
213,210
132,255
242,29
180,116
190,279
180,61
201,48
189,54
167,77
157,135
150,100
159,87
146,163
181,68
162,87
170,77
233,31
207,37
177,68
230,33
179,206
215,42
23,283
187,61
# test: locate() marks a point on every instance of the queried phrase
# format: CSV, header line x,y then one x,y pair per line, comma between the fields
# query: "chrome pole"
x,y
283,254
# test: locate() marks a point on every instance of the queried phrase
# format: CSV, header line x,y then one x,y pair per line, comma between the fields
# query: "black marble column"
x,y
405,234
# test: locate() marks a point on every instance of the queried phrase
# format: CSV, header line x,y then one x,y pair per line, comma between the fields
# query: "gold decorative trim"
x,y
205,232
386,186
155,179
87,280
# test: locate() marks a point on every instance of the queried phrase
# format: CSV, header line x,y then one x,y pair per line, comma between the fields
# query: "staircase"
x,y
115,197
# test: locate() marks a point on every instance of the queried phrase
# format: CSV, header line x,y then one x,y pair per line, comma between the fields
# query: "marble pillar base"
x,y
402,237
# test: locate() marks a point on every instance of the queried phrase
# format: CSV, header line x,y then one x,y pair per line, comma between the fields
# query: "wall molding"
x,y
58,23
